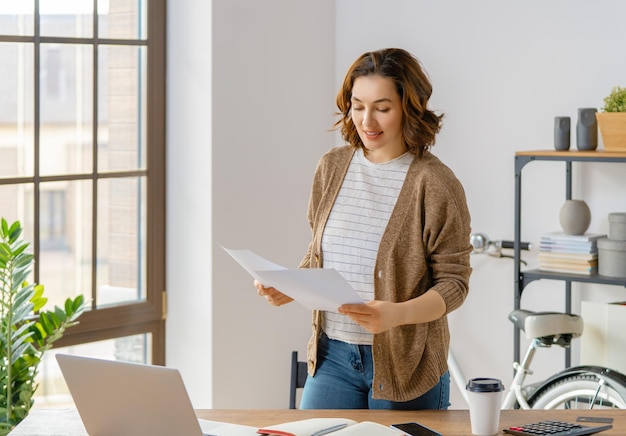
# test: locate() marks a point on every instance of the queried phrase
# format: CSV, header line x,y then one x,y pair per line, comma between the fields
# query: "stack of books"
x,y
574,254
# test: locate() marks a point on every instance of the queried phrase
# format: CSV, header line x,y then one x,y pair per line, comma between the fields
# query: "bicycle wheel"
x,y
582,388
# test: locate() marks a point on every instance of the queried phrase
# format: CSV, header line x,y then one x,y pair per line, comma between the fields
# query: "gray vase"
x,y
587,129
562,133
575,217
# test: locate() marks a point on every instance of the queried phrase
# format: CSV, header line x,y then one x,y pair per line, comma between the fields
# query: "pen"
x,y
329,430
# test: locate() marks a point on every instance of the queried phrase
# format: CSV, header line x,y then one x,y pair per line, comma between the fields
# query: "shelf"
x,y
529,276
523,278
524,157
574,155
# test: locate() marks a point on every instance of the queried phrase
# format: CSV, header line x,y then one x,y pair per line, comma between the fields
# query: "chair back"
x,y
298,378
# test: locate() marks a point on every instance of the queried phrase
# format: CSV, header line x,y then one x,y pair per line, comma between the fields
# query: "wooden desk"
x,y
51,422
448,423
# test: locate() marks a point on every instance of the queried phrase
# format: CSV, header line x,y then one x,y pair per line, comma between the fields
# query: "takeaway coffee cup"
x,y
485,400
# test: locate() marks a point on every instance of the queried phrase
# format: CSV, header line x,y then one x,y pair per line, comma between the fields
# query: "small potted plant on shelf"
x,y
26,330
612,120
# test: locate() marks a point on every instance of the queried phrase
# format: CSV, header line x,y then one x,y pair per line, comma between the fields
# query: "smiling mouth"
x,y
371,134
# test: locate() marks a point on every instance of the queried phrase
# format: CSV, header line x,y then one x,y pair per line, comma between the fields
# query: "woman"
x,y
393,220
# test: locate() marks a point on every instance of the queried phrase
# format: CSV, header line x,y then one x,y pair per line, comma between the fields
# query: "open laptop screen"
x,y
128,399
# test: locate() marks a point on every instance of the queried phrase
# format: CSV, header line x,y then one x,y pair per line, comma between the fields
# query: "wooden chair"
x,y
298,378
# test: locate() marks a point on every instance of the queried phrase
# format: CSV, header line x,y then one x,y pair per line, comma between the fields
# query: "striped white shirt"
x,y
353,232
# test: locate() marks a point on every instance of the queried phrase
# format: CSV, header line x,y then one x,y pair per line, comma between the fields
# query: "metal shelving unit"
x,y
523,278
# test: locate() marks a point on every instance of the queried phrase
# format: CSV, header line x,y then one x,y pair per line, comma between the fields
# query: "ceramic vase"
x,y
575,217
587,129
562,133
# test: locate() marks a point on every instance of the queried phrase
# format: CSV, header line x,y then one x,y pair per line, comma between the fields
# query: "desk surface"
x,y
448,422
51,422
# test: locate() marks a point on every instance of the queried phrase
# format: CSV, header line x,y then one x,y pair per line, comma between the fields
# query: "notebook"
x,y
128,399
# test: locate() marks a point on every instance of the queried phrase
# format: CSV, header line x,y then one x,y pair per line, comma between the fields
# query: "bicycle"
x,y
577,387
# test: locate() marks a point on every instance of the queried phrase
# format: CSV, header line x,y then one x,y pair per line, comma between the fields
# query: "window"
x,y
82,161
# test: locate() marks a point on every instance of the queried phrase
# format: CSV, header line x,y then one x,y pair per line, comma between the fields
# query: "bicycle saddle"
x,y
547,324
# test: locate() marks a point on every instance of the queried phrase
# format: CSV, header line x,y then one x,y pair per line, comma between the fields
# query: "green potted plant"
x,y
612,120
26,330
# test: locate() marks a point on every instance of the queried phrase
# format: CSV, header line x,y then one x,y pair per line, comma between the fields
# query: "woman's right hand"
x,y
272,295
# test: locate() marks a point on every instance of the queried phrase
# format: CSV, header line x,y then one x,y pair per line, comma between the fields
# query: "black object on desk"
x,y
555,428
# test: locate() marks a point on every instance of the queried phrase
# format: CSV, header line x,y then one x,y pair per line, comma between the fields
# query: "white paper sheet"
x,y
314,288
252,262
225,429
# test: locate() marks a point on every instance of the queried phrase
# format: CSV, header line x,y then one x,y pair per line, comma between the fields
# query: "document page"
x,y
225,429
330,426
314,288
252,262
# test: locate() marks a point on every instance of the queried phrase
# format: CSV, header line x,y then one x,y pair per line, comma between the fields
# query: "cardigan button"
x,y
380,274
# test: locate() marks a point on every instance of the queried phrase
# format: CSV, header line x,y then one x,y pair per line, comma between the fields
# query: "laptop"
x,y
129,399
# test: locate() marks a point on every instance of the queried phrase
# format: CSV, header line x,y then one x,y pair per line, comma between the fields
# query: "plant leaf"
x,y
19,249
14,232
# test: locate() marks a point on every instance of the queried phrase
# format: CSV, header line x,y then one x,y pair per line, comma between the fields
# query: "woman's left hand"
x,y
379,316
374,316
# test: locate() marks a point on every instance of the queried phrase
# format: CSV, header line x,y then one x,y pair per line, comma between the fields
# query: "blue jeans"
x,y
343,380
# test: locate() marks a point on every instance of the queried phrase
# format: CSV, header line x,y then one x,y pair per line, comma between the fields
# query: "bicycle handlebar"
x,y
482,243
509,244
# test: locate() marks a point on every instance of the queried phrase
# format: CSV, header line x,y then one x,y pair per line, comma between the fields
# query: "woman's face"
x,y
377,114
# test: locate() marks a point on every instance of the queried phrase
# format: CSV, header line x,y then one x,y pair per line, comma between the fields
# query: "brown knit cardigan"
x,y
425,246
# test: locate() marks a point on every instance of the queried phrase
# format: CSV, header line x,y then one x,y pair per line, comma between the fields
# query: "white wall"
x,y
189,204
501,71
272,107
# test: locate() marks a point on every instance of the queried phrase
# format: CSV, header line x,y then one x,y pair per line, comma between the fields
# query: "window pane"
x,y
123,19
52,390
121,271
16,109
66,18
16,204
66,109
65,240
16,17
122,108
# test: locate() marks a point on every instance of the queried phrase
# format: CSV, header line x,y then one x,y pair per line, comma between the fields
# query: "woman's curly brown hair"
x,y
420,125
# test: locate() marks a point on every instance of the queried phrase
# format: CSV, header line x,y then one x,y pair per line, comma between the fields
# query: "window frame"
x,y
138,317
